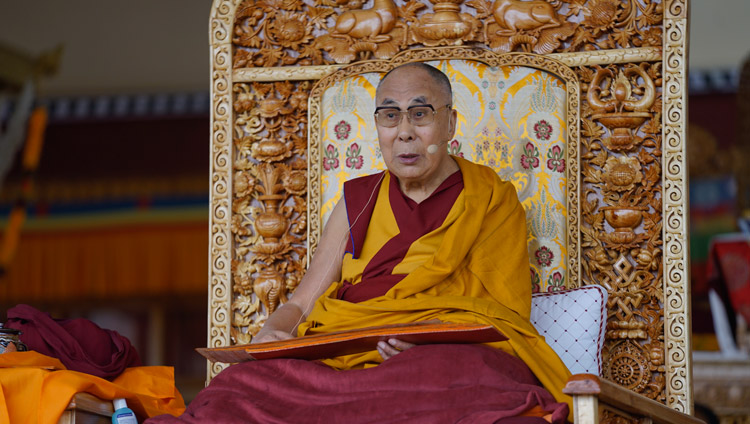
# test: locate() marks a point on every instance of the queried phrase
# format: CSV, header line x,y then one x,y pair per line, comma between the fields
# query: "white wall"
x,y
719,33
115,46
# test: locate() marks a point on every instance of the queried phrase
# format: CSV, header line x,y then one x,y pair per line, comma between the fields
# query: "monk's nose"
x,y
405,129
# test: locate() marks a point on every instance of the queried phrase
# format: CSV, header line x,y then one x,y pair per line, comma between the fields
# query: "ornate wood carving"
x,y
269,219
621,217
630,60
289,32
220,244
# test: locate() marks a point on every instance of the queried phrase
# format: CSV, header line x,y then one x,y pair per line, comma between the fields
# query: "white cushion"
x,y
573,324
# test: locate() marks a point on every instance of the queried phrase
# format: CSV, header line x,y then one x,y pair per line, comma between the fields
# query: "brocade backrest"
x,y
512,117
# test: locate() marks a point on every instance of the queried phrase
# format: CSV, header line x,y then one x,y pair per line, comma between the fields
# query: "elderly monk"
x,y
435,237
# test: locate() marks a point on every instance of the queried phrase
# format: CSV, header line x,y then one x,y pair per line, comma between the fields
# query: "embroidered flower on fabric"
x,y
353,157
498,132
486,132
486,145
331,161
492,105
536,286
504,152
555,161
556,282
543,130
500,84
530,156
485,84
342,130
544,256
455,148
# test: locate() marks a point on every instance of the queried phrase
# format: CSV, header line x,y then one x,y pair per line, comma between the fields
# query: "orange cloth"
x,y
35,388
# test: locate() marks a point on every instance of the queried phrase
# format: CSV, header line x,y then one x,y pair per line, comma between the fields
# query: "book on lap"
x,y
328,345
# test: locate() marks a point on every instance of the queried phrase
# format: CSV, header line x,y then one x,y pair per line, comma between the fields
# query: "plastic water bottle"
x,y
123,414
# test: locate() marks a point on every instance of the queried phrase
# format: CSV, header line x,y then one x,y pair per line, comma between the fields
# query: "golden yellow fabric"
x,y
35,388
478,272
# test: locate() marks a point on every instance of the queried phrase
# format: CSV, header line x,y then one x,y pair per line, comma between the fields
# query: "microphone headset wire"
x,y
312,300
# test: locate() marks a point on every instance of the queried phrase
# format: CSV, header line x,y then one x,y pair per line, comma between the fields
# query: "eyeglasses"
x,y
419,115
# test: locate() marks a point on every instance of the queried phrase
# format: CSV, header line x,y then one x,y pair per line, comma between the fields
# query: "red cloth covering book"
x,y
328,345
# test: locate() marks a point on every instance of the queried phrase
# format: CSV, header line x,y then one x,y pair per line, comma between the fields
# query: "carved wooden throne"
x,y
617,176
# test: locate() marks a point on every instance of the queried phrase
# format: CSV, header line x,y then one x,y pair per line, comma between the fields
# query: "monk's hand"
x,y
270,336
392,347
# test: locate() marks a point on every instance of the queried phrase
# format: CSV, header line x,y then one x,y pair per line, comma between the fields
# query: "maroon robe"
x,y
79,344
468,384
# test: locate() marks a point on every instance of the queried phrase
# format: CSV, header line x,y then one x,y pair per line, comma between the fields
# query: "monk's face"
x,y
405,147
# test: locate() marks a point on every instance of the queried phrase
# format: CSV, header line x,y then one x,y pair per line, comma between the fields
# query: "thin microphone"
x,y
433,148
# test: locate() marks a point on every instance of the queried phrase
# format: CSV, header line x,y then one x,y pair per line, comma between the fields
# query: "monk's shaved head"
x,y
440,79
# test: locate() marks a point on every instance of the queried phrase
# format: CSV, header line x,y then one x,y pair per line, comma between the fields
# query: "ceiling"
x,y
152,46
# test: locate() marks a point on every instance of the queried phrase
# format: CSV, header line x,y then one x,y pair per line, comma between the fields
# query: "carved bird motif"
x,y
516,15
372,23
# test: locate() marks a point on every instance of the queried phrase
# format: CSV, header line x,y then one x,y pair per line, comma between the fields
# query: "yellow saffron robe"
x,y
472,269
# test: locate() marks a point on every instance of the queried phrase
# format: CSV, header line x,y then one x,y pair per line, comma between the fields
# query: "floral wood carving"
x,y
621,218
269,220
291,32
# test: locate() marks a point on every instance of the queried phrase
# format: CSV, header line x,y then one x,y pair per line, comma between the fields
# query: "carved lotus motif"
x,y
601,14
272,107
295,182
622,173
270,150
290,30
243,183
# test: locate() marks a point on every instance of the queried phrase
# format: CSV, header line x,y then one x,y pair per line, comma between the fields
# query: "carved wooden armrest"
x,y
588,390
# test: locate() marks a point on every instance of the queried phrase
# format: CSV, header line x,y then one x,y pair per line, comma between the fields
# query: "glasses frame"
x,y
406,112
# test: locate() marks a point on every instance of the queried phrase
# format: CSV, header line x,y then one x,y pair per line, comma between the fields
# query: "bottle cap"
x,y
120,403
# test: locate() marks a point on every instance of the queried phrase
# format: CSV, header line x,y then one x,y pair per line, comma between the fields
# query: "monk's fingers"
x,y
271,336
400,344
387,351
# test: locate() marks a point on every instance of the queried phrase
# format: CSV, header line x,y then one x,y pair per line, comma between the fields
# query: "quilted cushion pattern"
x,y
573,324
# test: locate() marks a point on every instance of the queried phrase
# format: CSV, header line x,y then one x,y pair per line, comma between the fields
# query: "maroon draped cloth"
x,y
426,384
79,344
